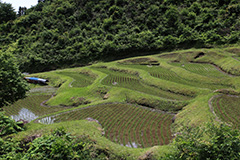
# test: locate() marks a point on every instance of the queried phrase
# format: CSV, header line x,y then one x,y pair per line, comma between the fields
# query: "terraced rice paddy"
x,y
30,108
169,56
44,90
202,69
133,82
182,56
126,124
227,108
79,79
165,74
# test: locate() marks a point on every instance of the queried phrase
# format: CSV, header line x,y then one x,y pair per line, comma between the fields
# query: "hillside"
x,y
58,33
132,108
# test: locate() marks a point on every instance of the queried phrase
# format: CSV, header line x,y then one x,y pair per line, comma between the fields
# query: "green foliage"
x,y
6,12
8,125
107,23
58,145
12,84
9,149
62,33
62,145
223,143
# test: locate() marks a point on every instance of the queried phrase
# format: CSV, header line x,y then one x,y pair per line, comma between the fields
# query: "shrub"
x,y
223,143
8,125
107,23
9,149
58,145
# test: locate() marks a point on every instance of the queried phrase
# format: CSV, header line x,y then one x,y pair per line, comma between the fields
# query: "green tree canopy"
x,y
6,12
59,33
12,84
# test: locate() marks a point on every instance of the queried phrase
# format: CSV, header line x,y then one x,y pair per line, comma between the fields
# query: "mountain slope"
x,y
58,33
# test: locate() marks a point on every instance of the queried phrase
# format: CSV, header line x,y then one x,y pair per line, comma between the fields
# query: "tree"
x,y
22,11
6,12
12,84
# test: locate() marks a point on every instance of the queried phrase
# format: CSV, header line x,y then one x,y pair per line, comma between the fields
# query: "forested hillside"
x,y
58,33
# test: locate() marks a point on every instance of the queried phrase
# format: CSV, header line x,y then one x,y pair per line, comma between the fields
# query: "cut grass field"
x,y
179,83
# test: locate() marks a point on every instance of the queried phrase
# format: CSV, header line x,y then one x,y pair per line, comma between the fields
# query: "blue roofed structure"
x,y
36,80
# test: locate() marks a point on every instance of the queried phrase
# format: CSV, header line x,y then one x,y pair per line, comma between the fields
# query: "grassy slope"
x,y
196,113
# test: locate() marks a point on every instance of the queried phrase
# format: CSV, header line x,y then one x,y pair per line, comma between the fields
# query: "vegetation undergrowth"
x,y
56,144
222,143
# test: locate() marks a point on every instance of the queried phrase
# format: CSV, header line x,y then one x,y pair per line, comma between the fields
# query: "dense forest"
x,y
58,33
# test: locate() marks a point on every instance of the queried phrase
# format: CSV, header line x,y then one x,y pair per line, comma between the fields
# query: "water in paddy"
x,y
28,115
47,120
31,108
25,114
132,145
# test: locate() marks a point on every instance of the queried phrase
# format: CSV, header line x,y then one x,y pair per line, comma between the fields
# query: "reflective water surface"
x,y
24,114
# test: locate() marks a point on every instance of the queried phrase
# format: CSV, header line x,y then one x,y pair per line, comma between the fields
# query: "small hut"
x,y
36,80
